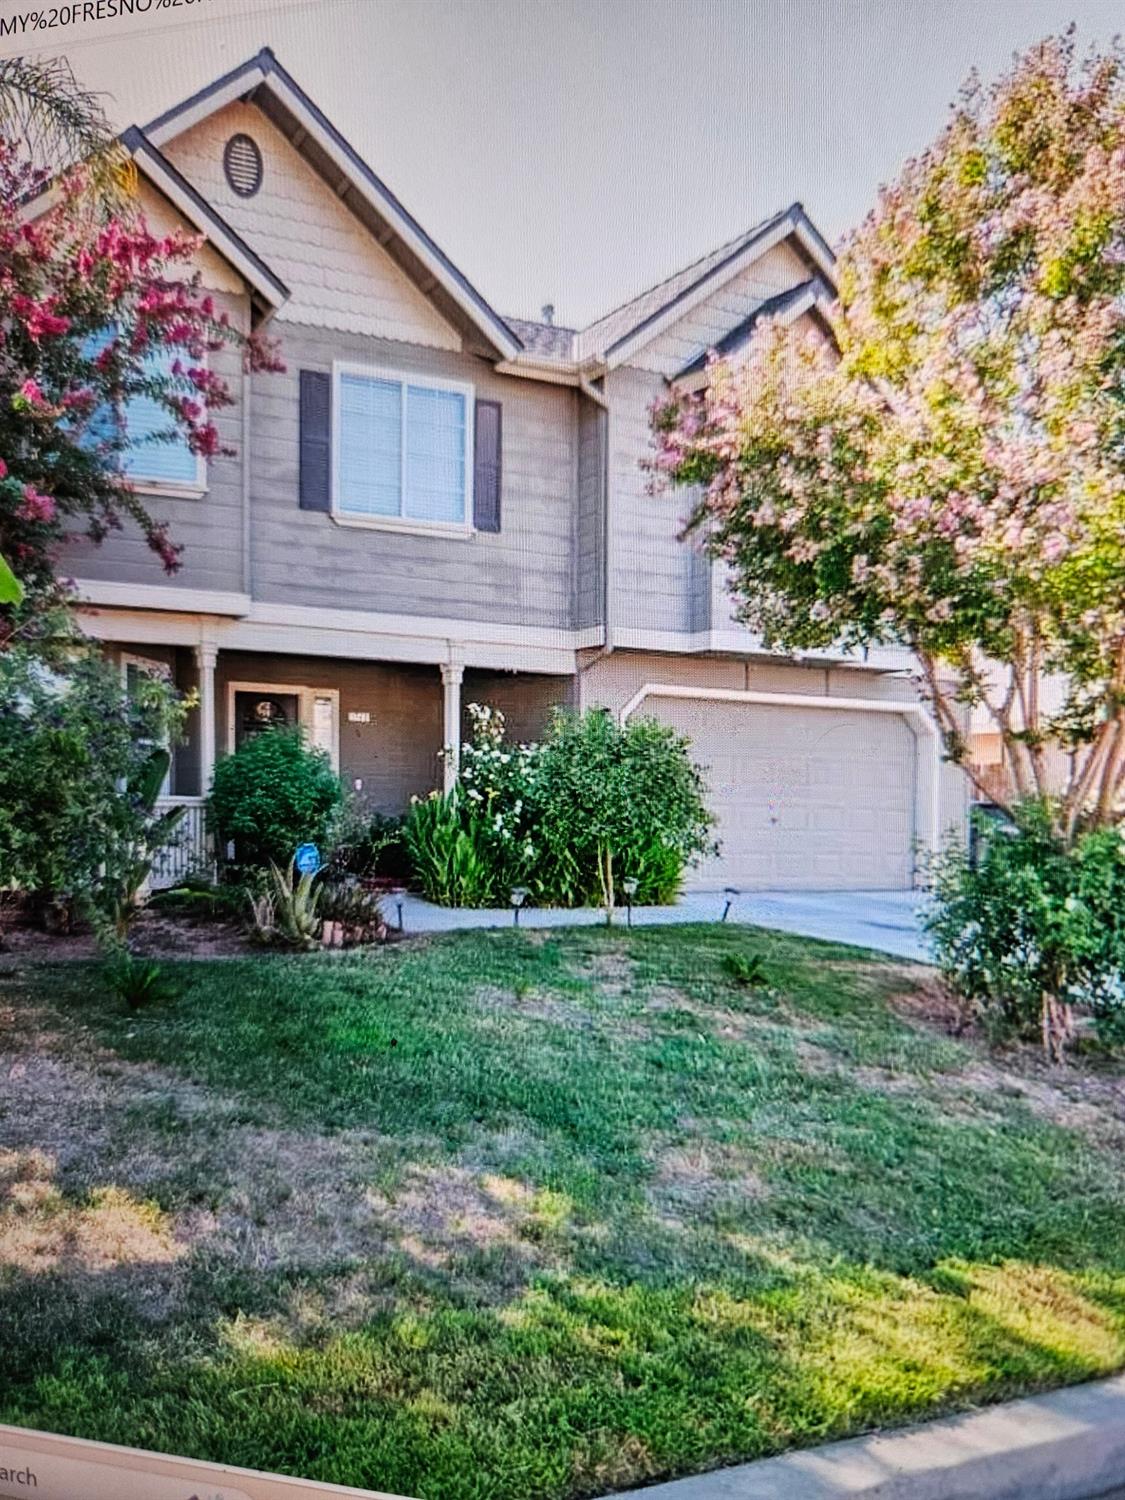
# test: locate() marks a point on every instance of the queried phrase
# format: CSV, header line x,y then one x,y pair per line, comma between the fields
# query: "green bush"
x,y
1034,927
366,843
80,764
272,794
568,819
611,798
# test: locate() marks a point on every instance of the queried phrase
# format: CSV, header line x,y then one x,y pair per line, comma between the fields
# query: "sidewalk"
x,y
1067,1445
887,921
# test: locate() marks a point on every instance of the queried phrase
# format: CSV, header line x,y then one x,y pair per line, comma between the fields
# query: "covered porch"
x,y
391,729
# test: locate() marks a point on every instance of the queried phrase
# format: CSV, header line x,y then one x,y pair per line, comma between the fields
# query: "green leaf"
x,y
11,589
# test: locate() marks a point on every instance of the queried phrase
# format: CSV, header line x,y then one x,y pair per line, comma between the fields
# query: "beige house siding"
x,y
521,575
654,574
209,527
728,305
162,219
337,275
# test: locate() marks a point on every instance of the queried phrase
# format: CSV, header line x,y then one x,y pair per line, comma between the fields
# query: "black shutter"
x,y
316,440
486,467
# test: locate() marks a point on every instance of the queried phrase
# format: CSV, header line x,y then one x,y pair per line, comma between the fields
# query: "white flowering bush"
x,y
498,784
567,819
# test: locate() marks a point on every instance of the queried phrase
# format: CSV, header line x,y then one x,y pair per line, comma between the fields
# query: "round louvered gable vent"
x,y
242,163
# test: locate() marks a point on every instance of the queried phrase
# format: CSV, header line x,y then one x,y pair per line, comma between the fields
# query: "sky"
x,y
576,151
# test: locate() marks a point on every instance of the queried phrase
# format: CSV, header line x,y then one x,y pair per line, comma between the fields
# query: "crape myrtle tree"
x,y
952,476
95,311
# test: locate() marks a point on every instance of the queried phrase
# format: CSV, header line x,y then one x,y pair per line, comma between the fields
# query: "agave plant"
x,y
287,911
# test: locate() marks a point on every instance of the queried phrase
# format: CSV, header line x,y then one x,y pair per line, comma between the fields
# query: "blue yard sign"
x,y
307,859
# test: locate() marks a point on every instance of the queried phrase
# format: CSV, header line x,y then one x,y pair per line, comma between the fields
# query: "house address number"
x,y
359,716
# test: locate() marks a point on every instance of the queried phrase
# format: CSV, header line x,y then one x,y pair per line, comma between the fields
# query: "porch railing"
x,y
190,850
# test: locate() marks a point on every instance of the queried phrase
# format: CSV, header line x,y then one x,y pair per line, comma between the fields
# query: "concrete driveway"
x,y
887,921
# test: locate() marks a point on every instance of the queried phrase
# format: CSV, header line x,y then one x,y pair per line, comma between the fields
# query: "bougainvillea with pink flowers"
x,y
952,476
87,298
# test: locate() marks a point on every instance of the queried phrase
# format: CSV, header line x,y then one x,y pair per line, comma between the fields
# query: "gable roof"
x,y
262,81
616,336
267,289
802,298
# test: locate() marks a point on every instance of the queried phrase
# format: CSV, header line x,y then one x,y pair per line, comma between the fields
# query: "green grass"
x,y
531,1215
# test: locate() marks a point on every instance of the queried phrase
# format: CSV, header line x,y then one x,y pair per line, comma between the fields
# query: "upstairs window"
x,y
165,463
403,449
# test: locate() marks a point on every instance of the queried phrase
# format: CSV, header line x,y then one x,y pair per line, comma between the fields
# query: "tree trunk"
x,y
605,876
1057,1018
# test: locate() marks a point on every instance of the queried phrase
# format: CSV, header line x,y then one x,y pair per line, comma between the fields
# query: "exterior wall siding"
x,y
396,755
337,275
209,527
703,327
654,573
589,601
521,575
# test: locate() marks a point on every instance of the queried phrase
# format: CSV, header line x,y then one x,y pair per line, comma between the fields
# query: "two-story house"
x,y
437,504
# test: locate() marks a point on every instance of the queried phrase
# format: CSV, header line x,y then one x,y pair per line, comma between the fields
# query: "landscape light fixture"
x,y
518,897
629,886
732,893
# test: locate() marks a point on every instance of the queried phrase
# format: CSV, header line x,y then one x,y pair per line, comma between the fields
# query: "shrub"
x,y
366,843
352,915
79,768
1034,928
272,794
568,819
610,796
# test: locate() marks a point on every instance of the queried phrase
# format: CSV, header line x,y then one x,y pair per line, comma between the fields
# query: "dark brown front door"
x,y
254,712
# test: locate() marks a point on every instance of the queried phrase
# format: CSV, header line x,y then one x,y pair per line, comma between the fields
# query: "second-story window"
x,y
157,454
402,449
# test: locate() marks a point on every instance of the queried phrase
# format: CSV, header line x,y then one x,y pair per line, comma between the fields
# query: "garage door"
x,y
812,799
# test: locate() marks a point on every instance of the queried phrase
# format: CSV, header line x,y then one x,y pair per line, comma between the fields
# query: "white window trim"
x,y
164,491
305,697
401,523
168,489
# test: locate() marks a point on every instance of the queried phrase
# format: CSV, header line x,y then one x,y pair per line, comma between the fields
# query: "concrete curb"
x,y
1068,1445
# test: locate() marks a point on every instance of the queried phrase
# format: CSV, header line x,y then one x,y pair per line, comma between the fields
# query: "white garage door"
x,y
816,799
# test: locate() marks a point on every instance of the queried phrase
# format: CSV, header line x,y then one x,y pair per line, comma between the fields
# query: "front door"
x,y
254,712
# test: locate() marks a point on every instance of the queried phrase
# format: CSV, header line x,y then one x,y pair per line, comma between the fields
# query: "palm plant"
x,y
61,124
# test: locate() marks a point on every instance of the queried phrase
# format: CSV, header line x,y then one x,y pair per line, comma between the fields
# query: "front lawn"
x,y
538,1214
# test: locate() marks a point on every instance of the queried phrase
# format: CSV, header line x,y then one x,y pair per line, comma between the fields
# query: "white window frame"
x,y
306,698
165,673
463,388
164,488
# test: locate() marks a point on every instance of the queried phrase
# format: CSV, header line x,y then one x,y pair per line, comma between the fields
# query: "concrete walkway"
x,y
887,921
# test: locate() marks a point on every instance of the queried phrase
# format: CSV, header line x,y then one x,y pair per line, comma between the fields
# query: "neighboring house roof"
x,y
268,289
262,81
802,298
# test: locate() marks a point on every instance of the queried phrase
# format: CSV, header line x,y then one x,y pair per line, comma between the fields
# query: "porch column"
x,y
206,655
452,673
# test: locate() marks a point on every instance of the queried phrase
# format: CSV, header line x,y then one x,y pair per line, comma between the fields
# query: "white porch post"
x,y
206,655
452,673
